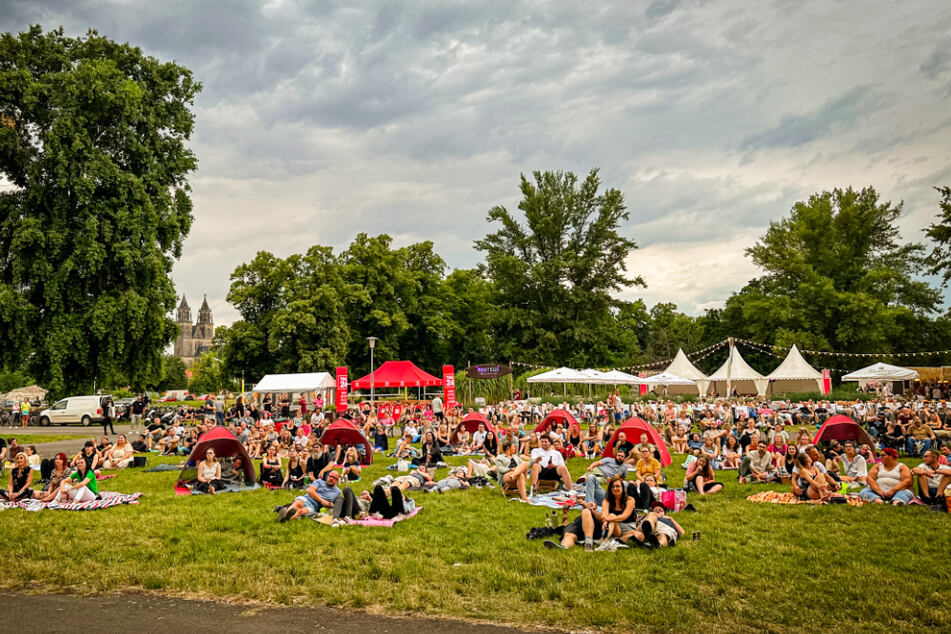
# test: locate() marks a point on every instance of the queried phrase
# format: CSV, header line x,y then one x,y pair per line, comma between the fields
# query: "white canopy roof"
x,y
666,378
682,367
882,372
794,367
560,375
616,377
737,373
309,382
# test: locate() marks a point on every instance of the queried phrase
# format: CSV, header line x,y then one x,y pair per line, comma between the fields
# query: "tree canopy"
x,y
93,140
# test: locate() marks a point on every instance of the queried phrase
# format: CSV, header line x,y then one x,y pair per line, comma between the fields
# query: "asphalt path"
x,y
149,613
48,449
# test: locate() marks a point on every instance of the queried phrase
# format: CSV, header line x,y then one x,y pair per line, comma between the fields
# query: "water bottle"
x,y
548,520
554,519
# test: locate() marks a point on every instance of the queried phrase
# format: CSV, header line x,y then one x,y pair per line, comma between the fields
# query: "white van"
x,y
75,409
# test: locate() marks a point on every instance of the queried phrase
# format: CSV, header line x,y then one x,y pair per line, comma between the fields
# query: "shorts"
x,y
668,531
549,473
575,529
627,527
309,503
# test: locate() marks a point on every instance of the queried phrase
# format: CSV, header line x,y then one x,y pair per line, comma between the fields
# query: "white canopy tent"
x,y
734,374
794,375
295,383
682,367
560,375
616,377
666,378
882,372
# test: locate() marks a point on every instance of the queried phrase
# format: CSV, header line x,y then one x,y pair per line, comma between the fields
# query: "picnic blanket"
x,y
230,488
370,521
555,500
100,478
780,497
107,499
166,467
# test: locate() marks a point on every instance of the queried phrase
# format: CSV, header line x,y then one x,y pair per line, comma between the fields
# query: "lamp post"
x,y
372,341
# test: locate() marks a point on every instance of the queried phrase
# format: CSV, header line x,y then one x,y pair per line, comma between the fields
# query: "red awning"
x,y
397,374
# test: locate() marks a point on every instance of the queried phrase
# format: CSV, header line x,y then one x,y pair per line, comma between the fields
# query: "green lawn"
x,y
36,439
756,568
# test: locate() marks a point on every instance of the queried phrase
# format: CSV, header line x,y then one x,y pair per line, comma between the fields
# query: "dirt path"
x,y
135,613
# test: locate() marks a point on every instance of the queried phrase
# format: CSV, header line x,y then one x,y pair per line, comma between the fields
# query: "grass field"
x,y
756,568
36,439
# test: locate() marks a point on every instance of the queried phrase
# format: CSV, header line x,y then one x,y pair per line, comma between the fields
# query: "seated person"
x,y
645,444
732,452
587,527
694,444
233,473
888,481
490,446
430,452
318,463
271,471
478,440
548,464
854,467
405,447
591,443
143,444
933,478
648,465
121,454
168,443
711,451
294,472
628,447
351,466
19,481
700,477
381,442
320,494
81,486
209,474
617,514
512,470
757,464
59,474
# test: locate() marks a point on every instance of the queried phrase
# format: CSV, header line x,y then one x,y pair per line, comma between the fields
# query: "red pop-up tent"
x,y
225,445
472,420
397,374
633,428
343,432
841,427
557,416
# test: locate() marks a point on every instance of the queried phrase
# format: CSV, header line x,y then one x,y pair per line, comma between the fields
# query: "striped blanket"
x,y
108,499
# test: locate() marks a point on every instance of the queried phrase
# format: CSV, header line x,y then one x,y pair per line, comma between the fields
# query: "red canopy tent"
x,y
841,427
225,445
633,428
557,416
397,374
472,420
343,432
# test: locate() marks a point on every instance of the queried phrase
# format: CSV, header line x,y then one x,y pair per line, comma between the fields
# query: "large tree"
x,y
836,276
93,140
939,260
556,275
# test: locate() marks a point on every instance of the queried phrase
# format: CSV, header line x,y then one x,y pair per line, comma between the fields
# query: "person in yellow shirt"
x,y
648,465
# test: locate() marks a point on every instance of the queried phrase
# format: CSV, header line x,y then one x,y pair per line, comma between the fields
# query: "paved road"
x,y
47,450
147,613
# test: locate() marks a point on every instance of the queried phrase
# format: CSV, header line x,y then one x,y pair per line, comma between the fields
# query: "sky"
x,y
321,120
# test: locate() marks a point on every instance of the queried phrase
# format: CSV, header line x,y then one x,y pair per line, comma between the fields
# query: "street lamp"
x,y
372,341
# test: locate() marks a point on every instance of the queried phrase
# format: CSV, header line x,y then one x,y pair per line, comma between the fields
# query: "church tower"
x,y
205,328
184,345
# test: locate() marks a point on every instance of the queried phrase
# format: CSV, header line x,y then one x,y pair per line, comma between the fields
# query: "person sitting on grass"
x,y
271,472
756,465
320,494
58,474
19,480
888,481
430,452
678,438
88,456
854,467
648,465
809,481
623,443
512,470
711,450
143,444
617,513
351,466
490,446
168,443
81,486
381,443
478,440
700,477
121,454
600,471
933,478
586,527
405,447
548,464
209,474
591,441
318,462
694,444
294,472
732,452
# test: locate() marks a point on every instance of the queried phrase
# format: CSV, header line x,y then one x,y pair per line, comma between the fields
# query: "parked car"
x,y
85,410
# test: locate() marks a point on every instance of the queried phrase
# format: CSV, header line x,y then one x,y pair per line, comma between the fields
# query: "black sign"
x,y
487,371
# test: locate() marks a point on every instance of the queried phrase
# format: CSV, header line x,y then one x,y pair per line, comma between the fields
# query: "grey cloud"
x,y
938,63
660,8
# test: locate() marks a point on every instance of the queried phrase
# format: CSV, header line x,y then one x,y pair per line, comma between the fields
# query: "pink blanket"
x,y
387,523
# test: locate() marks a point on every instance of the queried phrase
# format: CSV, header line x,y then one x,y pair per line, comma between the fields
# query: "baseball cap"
x,y
888,451
655,504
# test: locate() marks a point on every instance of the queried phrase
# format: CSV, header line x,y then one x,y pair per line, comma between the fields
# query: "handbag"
x,y
674,499
402,465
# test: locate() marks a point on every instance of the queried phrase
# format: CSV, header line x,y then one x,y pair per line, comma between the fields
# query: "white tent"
x,y
682,367
666,378
794,375
616,377
560,375
734,374
882,372
295,383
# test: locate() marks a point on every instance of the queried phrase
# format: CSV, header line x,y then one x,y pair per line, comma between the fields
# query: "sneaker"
x,y
608,545
286,514
589,547
552,545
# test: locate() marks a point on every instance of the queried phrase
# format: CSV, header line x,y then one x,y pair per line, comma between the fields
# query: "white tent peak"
x,y
682,367
735,368
794,367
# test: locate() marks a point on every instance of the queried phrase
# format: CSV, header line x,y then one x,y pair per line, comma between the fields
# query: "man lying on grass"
x,y
320,494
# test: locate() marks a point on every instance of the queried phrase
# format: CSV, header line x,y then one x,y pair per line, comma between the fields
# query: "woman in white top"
x,y
209,474
120,456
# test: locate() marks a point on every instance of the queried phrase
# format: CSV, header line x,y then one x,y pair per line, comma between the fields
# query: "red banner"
x,y
340,391
826,381
642,386
449,387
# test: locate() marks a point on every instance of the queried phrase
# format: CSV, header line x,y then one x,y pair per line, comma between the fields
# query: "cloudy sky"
x,y
319,120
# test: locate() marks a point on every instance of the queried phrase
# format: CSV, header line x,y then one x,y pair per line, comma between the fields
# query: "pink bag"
x,y
674,500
